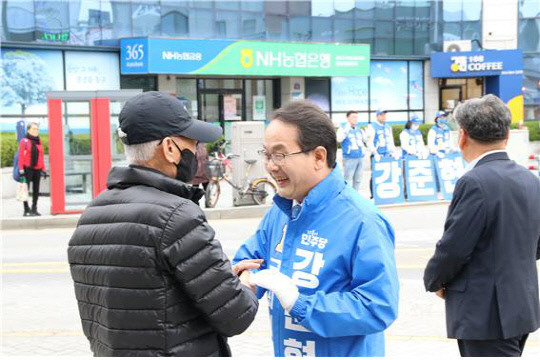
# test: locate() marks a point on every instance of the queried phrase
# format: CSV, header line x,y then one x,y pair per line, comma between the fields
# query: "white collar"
x,y
473,163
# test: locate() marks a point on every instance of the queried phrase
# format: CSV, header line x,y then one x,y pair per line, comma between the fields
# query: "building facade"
x,y
76,45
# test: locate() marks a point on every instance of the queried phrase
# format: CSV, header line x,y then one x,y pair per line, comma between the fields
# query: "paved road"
x,y
40,317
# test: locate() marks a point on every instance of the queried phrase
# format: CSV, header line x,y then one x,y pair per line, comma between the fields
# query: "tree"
x,y
24,79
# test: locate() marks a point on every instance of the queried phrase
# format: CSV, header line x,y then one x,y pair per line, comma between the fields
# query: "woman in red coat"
x,y
31,165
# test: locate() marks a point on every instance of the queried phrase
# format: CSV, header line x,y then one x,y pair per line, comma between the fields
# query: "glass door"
x,y
77,154
222,107
450,97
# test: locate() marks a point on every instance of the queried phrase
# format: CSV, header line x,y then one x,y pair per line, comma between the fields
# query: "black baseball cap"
x,y
154,115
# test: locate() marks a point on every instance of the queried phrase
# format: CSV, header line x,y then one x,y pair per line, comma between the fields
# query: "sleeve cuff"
x,y
299,308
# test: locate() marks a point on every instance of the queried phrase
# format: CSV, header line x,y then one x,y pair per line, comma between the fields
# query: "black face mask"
x,y
187,167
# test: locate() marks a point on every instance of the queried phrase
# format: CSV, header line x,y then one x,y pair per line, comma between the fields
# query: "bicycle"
x,y
260,189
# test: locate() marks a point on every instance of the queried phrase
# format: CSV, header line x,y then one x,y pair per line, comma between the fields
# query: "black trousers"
x,y
498,347
32,177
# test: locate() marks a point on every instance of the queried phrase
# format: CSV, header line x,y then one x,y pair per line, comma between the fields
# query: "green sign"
x,y
281,59
224,57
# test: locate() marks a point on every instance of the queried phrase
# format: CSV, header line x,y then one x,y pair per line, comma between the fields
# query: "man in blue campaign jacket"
x,y
380,138
328,253
352,139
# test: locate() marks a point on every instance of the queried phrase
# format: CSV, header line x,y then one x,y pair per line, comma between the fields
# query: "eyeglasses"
x,y
278,158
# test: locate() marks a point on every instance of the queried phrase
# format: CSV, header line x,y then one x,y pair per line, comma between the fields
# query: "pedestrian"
x,y
328,253
31,165
150,278
202,177
485,264
439,140
412,141
352,139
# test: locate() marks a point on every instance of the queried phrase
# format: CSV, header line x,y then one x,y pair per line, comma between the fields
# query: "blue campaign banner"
x,y
387,181
420,179
449,170
477,63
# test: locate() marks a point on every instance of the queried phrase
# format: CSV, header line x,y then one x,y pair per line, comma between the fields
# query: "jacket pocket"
x,y
459,284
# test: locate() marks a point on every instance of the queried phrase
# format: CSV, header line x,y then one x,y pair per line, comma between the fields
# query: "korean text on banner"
x,y
449,170
387,180
420,179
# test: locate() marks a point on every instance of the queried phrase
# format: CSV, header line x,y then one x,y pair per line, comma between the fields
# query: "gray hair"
x,y
138,154
486,119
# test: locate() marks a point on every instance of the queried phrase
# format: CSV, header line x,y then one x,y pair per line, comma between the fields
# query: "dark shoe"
x,y
27,213
34,211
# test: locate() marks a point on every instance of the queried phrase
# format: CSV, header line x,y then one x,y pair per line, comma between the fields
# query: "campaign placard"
x,y
387,181
449,170
420,179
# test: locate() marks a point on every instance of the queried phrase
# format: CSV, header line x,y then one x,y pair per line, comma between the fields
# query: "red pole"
x,y
56,156
101,144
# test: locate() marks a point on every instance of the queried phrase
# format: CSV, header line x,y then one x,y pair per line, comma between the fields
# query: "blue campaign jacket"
x,y
382,137
340,253
442,136
352,145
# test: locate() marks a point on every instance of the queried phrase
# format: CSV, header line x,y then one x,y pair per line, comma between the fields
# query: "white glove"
x,y
440,154
377,157
279,284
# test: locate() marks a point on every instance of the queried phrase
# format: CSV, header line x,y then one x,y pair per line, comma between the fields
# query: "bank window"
x,y
174,20
365,10
186,91
384,35
322,29
19,22
388,85
350,93
201,23
404,41
252,26
121,26
146,18
52,21
228,25
416,85
144,82
300,27
343,30
364,32
318,92
259,99
276,27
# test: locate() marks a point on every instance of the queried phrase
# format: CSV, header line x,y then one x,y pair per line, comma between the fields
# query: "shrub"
x,y
9,146
534,129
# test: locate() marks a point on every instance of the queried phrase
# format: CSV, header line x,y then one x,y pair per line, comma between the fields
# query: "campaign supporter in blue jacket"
x,y
328,253
439,138
352,139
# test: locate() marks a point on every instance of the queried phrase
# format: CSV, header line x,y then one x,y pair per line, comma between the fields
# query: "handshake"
x,y
270,279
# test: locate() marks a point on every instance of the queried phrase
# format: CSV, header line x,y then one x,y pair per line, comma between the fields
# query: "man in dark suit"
x,y
485,264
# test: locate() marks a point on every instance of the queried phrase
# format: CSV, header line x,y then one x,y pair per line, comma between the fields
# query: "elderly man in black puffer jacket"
x,y
150,278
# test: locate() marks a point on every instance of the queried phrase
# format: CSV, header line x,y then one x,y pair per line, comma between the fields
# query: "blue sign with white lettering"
x,y
420,179
449,170
477,63
387,181
134,55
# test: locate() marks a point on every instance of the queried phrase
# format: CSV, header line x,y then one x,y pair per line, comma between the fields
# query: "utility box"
x,y
247,140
